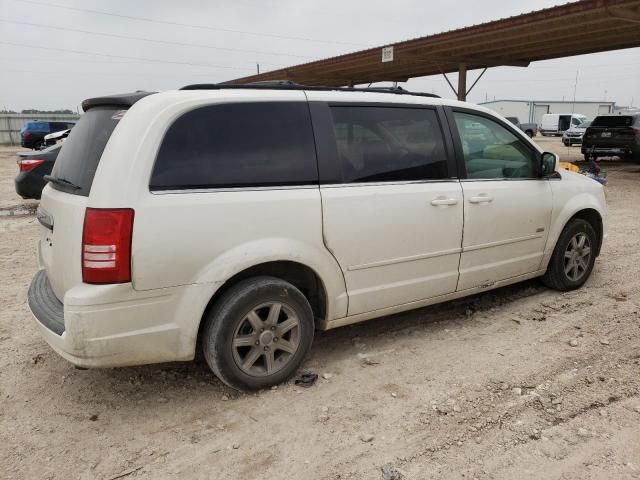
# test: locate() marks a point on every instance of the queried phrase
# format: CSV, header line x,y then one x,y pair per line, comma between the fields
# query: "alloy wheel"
x,y
577,257
266,339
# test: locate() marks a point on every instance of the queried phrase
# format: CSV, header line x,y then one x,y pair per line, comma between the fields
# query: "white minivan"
x,y
558,123
242,218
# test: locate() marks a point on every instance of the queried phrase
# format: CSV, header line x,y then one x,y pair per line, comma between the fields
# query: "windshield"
x,y
584,124
81,152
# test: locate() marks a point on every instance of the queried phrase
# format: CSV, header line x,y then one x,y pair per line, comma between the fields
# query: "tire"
x,y
557,276
244,314
566,144
588,156
529,133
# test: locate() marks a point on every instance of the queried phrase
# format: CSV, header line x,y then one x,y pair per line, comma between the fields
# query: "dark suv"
x,y
613,135
33,133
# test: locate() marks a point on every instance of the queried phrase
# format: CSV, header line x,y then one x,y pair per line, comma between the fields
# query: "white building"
x,y
532,110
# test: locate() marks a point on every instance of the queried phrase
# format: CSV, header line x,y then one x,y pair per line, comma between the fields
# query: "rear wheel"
x,y
573,257
529,133
257,334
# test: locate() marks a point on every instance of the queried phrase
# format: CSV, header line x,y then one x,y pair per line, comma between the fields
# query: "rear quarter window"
x,y
81,151
262,144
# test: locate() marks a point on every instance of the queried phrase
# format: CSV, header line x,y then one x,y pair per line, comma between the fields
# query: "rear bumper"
x,y
609,150
115,325
44,304
29,184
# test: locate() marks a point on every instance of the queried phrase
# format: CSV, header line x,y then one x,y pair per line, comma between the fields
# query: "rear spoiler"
x,y
121,100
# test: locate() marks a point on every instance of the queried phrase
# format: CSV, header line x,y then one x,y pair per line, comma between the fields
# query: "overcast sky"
x,y
275,33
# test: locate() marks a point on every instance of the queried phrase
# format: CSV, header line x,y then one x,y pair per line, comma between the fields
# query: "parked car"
x,y
574,134
558,123
56,137
531,129
33,132
246,217
613,135
32,168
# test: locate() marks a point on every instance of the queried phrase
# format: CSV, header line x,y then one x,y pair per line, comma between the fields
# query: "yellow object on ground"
x,y
569,166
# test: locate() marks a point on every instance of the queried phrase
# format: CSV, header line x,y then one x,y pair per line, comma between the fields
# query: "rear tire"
x,y
529,133
258,333
573,257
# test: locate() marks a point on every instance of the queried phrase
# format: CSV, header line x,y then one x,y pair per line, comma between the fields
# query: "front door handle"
x,y
481,198
444,201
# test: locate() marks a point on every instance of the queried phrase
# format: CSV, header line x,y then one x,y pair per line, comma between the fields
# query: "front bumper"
x,y
115,325
572,140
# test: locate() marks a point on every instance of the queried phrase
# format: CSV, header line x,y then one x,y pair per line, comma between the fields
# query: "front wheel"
x,y
258,333
573,257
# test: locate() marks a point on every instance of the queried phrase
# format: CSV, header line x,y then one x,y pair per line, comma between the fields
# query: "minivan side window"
x,y
261,144
491,151
380,144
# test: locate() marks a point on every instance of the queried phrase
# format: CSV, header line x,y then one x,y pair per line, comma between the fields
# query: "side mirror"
x,y
549,163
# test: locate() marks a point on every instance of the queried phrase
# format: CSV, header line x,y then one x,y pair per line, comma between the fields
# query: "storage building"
x,y
532,110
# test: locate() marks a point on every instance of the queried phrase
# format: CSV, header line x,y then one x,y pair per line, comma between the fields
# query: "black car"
x,y
613,135
32,168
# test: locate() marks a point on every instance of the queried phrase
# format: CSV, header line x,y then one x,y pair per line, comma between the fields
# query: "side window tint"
x,y
378,144
238,145
491,150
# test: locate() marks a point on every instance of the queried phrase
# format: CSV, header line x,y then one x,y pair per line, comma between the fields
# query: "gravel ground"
x,y
521,382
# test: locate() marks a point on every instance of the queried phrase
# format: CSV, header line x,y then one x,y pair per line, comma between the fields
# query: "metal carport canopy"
x,y
578,28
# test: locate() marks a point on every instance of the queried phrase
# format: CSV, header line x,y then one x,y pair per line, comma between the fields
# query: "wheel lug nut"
x,y
262,330
275,339
257,342
273,328
266,349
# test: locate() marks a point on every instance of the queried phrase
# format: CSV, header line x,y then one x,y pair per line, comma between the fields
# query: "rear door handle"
x,y
444,201
481,198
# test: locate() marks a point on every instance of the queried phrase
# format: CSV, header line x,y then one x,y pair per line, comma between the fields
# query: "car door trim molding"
x,y
502,242
391,182
412,258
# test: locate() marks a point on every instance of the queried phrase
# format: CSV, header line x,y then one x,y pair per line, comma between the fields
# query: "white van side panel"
x,y
209,237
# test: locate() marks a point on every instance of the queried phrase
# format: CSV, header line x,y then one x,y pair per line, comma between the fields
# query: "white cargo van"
x,y
558,123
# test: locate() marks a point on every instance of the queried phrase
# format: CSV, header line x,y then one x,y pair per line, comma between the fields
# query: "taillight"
x,y
25,134
106,245
30,164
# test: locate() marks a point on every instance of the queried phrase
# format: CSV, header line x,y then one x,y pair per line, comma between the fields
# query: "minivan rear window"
x,y
78,160
264,144
613,121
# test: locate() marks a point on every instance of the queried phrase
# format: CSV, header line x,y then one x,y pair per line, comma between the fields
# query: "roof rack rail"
x,y
289,85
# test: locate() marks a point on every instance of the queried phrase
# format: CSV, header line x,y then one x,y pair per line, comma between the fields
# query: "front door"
x,y
393,216
507,207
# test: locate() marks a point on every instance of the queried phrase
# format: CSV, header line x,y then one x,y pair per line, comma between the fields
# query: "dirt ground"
x,y
487,387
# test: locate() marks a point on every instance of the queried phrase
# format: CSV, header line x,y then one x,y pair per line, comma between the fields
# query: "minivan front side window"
x,y
233,145
491,151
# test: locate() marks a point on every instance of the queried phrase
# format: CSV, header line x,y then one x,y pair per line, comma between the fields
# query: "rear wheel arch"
x,y
301,276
